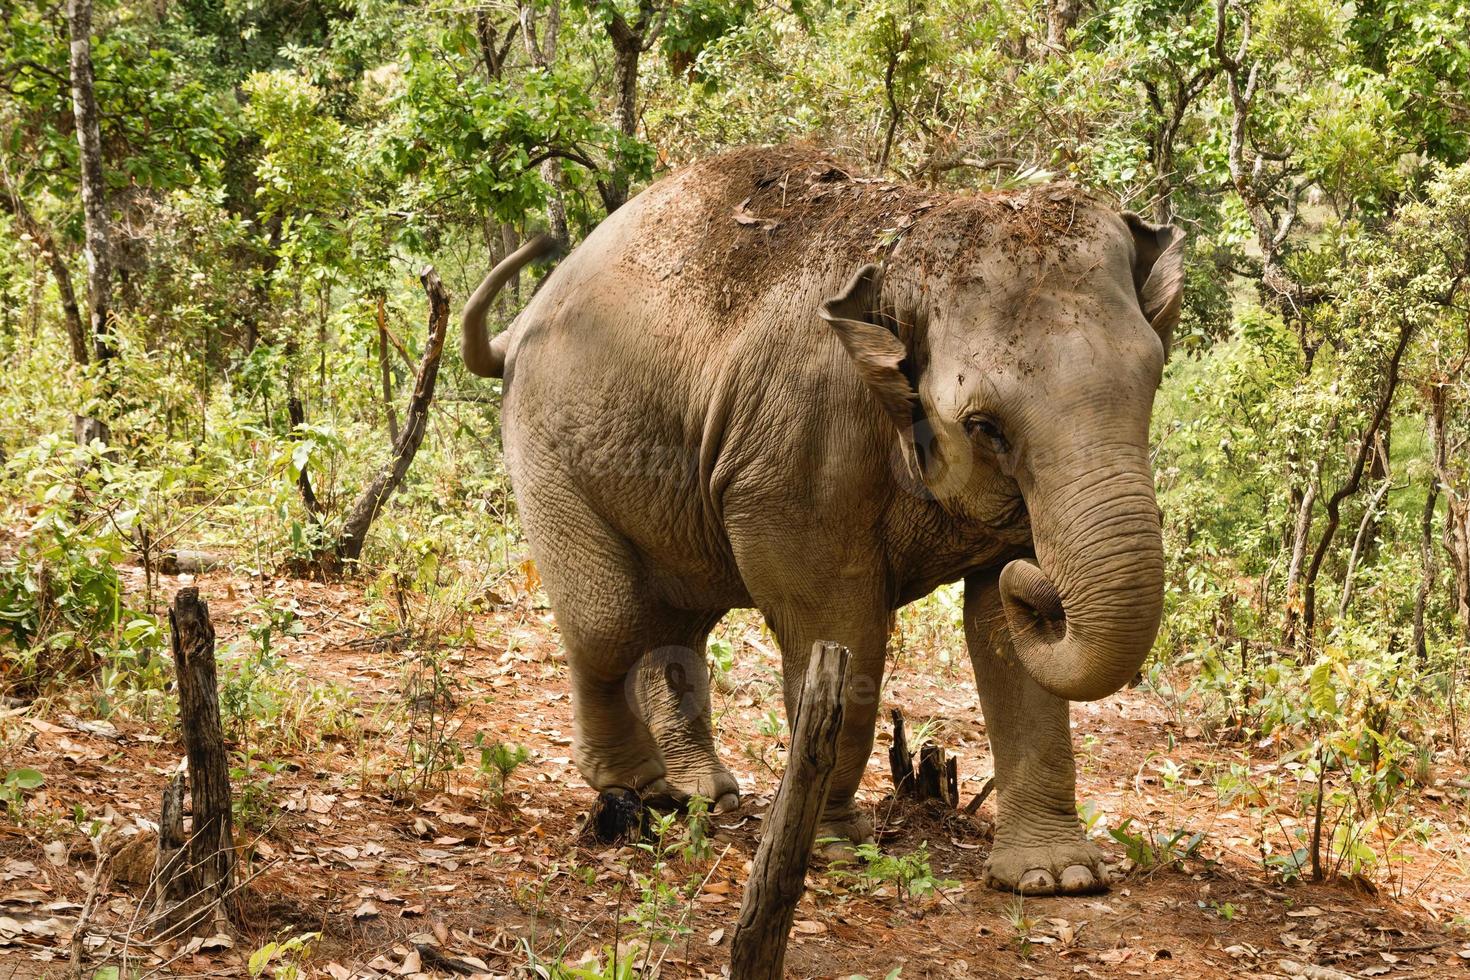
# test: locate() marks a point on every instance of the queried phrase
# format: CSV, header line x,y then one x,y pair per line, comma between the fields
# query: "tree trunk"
x,y
1367,443
628,41
370,503
778,873
207,881
45,242
1061,17
542,52
1365,528
94,211
1430,572
626,50
387,371
1303,528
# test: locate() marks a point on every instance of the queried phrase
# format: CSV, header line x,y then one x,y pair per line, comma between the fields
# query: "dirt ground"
x,y
394,879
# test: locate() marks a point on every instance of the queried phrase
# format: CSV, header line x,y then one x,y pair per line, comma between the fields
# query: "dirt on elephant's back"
x,y
763,214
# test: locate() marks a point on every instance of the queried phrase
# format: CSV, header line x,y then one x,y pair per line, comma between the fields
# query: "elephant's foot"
x,y
608,773
718,786
840,833
1072,867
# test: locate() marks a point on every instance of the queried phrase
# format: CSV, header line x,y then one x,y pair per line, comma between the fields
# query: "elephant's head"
x,y
1020,378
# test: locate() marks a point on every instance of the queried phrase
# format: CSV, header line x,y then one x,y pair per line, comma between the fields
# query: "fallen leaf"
x,y
367,910
1310,912
807,927
218,941
716,936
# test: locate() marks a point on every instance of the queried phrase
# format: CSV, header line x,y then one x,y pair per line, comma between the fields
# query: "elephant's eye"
x,y
983,426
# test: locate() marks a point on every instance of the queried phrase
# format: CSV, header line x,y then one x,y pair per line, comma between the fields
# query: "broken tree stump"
x,y
937,776
778,873
196,877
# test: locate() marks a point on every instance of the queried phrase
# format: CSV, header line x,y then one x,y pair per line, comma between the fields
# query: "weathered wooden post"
x,y
778,874
196,879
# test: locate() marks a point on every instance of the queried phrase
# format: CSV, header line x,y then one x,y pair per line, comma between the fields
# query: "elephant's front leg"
x,y
859,622
1040,846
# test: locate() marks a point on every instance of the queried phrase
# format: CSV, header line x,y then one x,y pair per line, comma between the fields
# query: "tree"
x,y
94,203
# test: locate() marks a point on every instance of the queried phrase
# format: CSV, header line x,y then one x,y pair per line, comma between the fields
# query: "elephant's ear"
x,y
875,349
1158,273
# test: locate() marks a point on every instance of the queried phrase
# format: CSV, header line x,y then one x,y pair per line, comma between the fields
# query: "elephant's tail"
x,y
482,355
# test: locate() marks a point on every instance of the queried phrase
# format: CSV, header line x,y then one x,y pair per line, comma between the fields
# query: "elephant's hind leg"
x,y
673,697
591,576
1040,847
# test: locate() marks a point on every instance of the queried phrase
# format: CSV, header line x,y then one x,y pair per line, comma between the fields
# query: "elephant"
x,y
771,382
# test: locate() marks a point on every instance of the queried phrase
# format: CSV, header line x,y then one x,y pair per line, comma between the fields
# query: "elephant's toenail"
x,y
727,803
1078,877
1036,881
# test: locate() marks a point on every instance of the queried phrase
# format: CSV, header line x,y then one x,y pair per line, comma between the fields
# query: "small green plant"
x,y
1021,925
433,750
696,845
1149,850
497,761
254,792
660,899
910,874
17,783
721,659
1224,910
286,957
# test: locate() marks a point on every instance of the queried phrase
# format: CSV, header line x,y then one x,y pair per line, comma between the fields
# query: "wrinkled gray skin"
x,y
702,414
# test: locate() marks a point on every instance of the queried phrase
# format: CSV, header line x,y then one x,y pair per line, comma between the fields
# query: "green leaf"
x,y
25,778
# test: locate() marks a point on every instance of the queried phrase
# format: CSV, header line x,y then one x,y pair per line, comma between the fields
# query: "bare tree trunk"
x,y
1430,571
1061,17
94,210
625,114
1366,443
629,41
1365,526
370,503
778,873
542,52
1303,528
509,243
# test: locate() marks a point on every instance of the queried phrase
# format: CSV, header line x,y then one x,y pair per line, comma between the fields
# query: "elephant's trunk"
x,y
481,355
1084,621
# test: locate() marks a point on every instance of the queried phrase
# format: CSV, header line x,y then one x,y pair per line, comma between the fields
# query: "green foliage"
x,y
62,608
283,957
497,761
910,874
14,787
1150,850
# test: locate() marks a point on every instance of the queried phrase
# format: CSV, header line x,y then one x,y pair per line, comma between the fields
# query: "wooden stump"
x,y
778,874
196,878
937,776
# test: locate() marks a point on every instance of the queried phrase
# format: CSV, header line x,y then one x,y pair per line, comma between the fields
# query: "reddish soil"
x,y
376,872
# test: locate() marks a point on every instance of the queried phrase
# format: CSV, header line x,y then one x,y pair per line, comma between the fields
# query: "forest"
x,y
235,239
